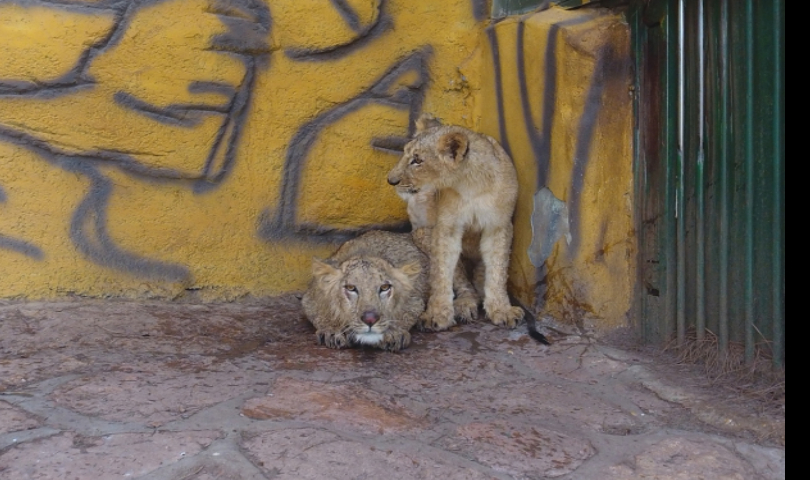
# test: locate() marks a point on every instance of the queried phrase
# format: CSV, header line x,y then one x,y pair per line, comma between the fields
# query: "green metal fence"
x,y
710,170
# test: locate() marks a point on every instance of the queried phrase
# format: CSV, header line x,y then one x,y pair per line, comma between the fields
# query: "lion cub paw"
x,y
395,341
508,317
466,308
436,319
332,340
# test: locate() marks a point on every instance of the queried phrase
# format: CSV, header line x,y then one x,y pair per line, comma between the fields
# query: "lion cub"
x,y
422,215
370,292
475,190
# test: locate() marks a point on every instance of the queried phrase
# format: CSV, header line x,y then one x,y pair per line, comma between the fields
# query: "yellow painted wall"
x,y
160,147
556,93
156,148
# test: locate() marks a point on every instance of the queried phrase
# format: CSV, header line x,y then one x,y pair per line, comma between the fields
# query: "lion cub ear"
x,y
407,274
322,269
426,121
453,145
412,269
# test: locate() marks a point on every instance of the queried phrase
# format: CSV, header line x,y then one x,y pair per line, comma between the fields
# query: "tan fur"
x,y
474,186
378,275
422,215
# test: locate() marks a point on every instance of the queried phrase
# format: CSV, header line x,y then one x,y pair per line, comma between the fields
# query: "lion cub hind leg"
x,y
467,298
465,305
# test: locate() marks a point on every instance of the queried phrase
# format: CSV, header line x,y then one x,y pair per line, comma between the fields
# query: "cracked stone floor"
x,y
93,389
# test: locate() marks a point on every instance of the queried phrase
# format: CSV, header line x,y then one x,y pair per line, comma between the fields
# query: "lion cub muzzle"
x,y
370,317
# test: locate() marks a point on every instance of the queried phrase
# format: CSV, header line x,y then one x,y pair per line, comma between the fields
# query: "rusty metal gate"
x,y
710,171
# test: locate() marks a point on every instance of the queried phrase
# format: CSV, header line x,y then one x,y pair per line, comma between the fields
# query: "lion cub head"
x,y
432,158
364,301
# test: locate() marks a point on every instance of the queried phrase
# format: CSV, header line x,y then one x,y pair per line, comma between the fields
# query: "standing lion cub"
x,y
370,292
422,215
472,185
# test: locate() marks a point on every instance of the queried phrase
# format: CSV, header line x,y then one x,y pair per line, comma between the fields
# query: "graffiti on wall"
x,y
406,96
608,68
161,91
103,87
17,245
559,83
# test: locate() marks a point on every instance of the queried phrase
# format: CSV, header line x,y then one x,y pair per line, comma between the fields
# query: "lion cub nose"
x,y
370,317
393,181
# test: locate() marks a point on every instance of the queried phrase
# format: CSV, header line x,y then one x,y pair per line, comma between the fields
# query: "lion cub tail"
x,y
531,322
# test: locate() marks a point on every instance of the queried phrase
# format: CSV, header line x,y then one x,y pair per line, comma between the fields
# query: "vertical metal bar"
x,y
749,181
724,193
680,201
779,155
669,154
639,174
700,253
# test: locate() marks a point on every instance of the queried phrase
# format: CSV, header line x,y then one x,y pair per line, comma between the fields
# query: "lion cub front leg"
x,y
395,340
466,299
332,339
495,246
444,254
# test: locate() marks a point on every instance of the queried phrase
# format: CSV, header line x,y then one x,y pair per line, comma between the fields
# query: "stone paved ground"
x,y
113,389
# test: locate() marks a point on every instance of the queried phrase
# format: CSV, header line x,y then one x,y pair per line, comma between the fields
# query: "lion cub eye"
x,y
385,287
416,160
350,288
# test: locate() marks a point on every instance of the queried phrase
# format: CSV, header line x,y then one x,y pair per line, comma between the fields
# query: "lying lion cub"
x,y
370,292
470,189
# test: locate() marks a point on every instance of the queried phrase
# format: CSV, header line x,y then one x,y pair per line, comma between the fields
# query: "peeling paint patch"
x,y
549,224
